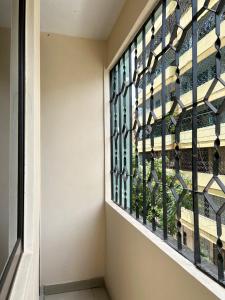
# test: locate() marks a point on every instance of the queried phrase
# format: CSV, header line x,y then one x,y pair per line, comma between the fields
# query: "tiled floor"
x,y
93,294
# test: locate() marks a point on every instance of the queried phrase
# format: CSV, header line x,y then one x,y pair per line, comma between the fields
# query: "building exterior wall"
x,y
73,227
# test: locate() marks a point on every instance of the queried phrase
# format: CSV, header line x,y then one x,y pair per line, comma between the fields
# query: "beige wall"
x,y
73,229
136,268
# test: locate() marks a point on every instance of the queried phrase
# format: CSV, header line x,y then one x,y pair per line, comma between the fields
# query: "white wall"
x,y
73,228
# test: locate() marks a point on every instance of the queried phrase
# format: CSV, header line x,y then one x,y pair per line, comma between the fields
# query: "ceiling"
x,y
81,18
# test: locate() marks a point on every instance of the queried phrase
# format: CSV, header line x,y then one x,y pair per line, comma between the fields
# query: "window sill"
x,y
203,279
21,282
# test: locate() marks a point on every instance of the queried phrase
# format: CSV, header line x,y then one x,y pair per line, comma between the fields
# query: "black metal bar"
x,y
124,126
197,257
144,126
177,133
116,134
130,128
164,189
120,105
137,177
151,124
111,134
217,158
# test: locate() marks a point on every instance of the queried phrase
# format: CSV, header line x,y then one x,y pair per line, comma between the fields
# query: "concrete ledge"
x,y
217,291
73,286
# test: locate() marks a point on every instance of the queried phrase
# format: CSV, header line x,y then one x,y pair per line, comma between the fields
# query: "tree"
x,y
171,202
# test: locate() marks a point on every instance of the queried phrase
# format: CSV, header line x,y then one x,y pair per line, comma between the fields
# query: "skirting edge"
x,y
73,286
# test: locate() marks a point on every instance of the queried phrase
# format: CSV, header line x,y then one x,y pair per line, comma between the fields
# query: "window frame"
x,y
8,275
119,171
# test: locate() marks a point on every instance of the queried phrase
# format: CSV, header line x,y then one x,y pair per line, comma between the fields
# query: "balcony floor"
x,y
92,294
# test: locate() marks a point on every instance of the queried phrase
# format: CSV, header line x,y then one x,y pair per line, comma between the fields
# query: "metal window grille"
x,y
167,95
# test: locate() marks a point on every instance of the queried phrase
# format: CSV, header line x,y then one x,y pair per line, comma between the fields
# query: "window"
x,y
167,107
184,238
12,81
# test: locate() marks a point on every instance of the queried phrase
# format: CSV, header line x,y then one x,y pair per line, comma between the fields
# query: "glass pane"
x,y
8,128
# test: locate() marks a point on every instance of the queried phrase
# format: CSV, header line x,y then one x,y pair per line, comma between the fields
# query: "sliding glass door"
x,y
12,89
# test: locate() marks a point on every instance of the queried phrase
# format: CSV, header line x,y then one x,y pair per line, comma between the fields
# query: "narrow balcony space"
x,y
112,149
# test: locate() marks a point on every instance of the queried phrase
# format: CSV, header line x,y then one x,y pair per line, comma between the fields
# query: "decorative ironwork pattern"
x,y
168,129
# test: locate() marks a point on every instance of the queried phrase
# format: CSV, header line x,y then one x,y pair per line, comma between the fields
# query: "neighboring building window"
x,y
12,107
168,129
184,238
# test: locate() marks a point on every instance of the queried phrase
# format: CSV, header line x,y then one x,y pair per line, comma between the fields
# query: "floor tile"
x,y
100,294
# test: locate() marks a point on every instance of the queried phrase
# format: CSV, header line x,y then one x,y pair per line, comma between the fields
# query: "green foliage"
x,y
171,202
